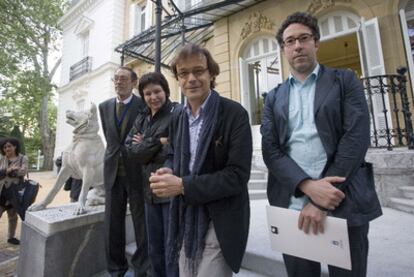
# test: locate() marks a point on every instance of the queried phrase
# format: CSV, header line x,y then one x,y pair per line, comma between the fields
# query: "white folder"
x,y
331,247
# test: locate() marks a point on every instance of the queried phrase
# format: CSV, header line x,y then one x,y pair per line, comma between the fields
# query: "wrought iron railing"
x,y
389,108
80,68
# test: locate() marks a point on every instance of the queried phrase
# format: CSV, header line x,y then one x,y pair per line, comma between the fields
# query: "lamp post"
x,y
158,14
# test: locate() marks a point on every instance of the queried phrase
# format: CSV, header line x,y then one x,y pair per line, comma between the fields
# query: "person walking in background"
x,y
122,178
207,172
315,134
73,185
13,168
148,143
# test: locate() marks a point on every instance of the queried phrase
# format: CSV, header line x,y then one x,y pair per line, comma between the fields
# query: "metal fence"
x,y
389,108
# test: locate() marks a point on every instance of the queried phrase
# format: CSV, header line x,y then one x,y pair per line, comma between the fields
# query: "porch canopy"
x,y
191,23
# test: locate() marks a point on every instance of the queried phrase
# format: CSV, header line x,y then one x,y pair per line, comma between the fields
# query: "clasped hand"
x,y
164,184
323,193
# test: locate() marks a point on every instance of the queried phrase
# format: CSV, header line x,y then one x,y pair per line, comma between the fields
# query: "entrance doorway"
x,y
350,42
260,72
341,52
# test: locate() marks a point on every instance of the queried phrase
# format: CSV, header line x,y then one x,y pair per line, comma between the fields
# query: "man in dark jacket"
x,y
122,177
207,176
315,134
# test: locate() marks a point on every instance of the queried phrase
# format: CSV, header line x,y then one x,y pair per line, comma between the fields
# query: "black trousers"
x,y
116,200
358,243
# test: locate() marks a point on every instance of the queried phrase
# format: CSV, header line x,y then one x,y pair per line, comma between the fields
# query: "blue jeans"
x,y
157,219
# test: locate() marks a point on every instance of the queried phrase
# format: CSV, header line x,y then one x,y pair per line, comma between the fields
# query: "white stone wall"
x,y
105,21
105,33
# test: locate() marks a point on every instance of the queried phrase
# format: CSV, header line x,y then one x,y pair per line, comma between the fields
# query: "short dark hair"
x,y
193,49
301,18
153,78
13,141
133,74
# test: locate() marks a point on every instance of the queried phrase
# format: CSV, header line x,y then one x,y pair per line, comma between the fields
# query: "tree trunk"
x,y
46,134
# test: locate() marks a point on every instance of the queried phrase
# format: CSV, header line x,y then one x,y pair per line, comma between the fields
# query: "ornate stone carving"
x,y
255,23
317,5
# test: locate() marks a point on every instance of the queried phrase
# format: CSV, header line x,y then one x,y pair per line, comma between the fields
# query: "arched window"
x,y
260,47
337,23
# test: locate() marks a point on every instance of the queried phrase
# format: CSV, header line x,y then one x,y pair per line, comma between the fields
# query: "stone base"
x,y
54,242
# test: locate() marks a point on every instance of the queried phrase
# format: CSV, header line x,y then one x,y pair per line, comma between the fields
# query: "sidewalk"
x,y
8,252
391,240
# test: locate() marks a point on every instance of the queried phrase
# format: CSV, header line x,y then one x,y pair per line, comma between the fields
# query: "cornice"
x,y
318,5
76,12
256,23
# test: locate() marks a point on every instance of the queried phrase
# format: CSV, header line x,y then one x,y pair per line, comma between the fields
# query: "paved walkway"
x,y
391,238
8,252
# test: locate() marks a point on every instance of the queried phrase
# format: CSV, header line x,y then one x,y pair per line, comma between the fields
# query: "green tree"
x,y
17,134
28,35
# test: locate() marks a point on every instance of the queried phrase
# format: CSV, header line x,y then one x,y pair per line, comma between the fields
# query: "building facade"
x,y
371,37
91,31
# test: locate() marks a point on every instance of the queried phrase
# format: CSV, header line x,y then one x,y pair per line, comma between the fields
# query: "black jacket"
x,y
342,120
150,153
115,148
221,185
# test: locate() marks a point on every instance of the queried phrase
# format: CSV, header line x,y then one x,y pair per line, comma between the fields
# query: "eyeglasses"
x,y
121,79
197,72
303,38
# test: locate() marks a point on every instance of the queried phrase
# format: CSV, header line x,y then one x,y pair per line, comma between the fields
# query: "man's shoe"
x,y
13,241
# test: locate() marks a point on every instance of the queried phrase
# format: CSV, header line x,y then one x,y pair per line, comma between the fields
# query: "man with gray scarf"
x,y
207,173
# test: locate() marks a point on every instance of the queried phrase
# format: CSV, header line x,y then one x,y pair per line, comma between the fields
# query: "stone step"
x,y
8,266
244,272
256,194
405,205
265,265
248,273
258,175
257,184
408,191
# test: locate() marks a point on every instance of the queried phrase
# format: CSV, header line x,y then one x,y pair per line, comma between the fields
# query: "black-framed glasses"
x,y
303,38
197,72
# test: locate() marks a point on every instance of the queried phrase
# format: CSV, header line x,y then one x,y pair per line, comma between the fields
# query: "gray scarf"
x,y
189,223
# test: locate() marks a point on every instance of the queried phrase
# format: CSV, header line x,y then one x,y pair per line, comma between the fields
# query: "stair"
x,y
402,204
257,184
130,249
405,202
408,191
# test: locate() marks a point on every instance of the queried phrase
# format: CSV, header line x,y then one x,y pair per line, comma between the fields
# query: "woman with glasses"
x,y
13,168
148,141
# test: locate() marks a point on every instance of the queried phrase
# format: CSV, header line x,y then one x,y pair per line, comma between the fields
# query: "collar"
x,y
187,106
313,74
125,101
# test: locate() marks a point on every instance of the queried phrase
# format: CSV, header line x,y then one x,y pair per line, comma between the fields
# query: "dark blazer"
x,y
221,185
342,120
115,148
150,153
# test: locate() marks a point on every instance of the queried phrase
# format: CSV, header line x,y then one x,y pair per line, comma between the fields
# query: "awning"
x,y
193,24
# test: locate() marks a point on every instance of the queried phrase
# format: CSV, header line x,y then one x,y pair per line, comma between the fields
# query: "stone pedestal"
x,y
54,242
